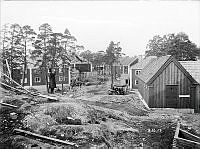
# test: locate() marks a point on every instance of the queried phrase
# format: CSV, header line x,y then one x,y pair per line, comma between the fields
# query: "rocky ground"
x,y
91,119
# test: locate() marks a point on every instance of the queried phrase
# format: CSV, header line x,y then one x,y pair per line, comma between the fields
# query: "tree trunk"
x,y
46,79
11,53
24,71
46,74
111,75
63,77
45,68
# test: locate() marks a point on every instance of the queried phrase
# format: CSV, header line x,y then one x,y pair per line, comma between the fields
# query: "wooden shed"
x,y
165,83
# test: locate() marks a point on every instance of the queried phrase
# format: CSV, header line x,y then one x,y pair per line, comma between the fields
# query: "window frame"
x,y
59,78
137,72
122,69
38,80
25,80
60,70
125,72
136,82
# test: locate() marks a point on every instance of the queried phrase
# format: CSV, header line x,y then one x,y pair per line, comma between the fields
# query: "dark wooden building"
x,y
36,77
165,83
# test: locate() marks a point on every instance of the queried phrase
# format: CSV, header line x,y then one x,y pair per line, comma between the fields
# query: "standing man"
x,y
52,80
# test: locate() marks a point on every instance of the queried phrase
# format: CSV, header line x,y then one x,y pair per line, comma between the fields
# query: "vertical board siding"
x,y
161,90
158,92
151,96
143,91
171,75
163,87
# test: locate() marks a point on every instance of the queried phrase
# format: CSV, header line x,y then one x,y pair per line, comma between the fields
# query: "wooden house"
x,y
165,83
125,65
136,69
36,77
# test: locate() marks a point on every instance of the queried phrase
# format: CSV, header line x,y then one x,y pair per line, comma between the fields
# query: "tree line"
x,y
179,45
21,45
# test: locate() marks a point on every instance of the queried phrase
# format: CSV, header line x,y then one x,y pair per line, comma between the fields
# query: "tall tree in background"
x,y
54,48
177,45
113,53
14,51
88,55
4,39
10,46
66,41
27,37
40,54
5,42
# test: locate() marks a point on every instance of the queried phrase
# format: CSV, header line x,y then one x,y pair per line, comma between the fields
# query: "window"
x,y
137,72
61,78
37,79
126,81
125,69
136,82
60,70
121,69
25,80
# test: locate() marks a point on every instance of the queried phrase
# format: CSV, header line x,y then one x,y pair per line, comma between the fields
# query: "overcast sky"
x,y
96,23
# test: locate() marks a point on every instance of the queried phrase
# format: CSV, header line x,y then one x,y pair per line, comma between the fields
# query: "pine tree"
x,y
27,38
39,54
113,53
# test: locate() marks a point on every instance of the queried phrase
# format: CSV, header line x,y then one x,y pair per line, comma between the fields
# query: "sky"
x,y
96,23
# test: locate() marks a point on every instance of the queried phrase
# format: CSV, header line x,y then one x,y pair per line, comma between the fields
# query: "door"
x,y
171,96
193,97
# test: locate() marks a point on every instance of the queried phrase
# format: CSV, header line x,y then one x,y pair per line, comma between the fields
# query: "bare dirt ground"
x,y
91,118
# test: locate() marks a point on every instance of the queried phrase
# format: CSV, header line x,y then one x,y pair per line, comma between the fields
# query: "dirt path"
x,y
91,118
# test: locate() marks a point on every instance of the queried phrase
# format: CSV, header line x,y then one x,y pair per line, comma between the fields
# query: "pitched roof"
x,y
152,67
127,60
193,67
144,62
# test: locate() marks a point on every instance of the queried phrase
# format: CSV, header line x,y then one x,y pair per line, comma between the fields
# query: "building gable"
x,y
152,67
156,67
164,66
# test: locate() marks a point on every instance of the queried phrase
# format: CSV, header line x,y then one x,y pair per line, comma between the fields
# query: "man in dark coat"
x,y
52,81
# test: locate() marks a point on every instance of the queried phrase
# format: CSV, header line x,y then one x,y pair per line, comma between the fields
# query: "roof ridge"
x,y
152,68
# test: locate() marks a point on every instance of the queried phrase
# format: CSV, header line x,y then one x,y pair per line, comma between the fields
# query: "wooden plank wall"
x,y
170,76
144,91
197,95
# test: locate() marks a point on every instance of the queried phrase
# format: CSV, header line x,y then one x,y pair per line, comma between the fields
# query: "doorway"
x,y
171,94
